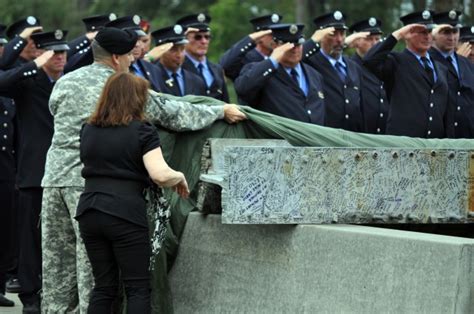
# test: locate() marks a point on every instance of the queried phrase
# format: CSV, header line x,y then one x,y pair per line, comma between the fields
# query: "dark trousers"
x,y
7,226
29,265
114,244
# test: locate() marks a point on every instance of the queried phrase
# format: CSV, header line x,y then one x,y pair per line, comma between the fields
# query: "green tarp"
x,y
183,152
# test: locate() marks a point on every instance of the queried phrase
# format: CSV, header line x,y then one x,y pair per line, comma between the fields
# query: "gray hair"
x,y
99,53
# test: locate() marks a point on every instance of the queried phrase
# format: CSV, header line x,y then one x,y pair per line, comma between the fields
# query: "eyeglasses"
x,y
201,36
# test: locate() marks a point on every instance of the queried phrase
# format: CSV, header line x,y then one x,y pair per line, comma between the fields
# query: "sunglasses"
x,y
201,36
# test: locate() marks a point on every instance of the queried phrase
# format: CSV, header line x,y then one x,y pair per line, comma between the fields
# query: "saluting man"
x,y
30,85
342,84
21,48
176,80
282,84
366,34
198,34
416,84
466,39
460,71
254,47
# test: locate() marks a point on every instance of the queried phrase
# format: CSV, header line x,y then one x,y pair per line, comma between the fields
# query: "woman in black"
x,y
120,152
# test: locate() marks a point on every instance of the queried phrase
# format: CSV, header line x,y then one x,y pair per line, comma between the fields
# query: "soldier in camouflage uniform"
x,y
67,277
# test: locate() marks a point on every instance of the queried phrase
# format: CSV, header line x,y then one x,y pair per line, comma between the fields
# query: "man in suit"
x,y
21,48
174,79
366,34
198,33
252,48
460,71
282,84
416,84
139,66
342,77
30,85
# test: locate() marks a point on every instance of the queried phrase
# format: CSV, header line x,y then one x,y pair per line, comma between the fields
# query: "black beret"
x,y
450,17
288,33
17,27
424,17
264,22
200,21
97,22
55,40
117,41
335,19
371,25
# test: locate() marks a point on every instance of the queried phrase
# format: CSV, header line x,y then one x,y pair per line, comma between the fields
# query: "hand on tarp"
x,y
232,114
181,188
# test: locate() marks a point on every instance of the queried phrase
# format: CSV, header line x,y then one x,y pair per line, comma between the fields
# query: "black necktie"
x,y
176,84
341,71
451,65
428,69
201,72
294,76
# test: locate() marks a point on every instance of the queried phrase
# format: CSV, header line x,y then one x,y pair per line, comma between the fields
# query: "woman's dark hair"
x,y
123,99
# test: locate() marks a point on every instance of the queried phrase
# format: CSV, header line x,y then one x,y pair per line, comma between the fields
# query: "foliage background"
x,y
229,17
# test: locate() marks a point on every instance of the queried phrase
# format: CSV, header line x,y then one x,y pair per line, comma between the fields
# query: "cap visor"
x,y
59,47
140,33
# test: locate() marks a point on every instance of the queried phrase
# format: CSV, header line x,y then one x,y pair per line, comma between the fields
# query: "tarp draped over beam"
x,y
183,153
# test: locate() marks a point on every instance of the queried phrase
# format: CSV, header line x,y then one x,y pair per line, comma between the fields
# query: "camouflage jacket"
x,y
73,100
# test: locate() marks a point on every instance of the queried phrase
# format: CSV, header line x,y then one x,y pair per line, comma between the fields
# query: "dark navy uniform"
x,y
418,108
7,188
149,71
11,53
460,79
375,103
461,93
374,98
342,96
193,84
274,90
218,88
343,99
244,52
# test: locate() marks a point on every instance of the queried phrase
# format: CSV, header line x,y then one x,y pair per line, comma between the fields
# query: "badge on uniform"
x,y
219,91
321,94
169,82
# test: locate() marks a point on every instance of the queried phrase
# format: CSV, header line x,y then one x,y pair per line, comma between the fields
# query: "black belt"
x,y
112,185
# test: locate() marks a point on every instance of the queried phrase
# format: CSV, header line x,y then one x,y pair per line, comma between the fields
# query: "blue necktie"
x,y
341,71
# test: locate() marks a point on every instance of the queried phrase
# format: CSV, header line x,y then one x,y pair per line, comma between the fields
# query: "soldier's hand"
x,y
279,51
156,53
232,114
464,49
43,58
407,30
26,33
91,35
319,34
351,39
191,30
257,35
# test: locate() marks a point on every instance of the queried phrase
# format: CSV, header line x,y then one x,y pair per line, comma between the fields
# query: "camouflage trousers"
x,y
67,274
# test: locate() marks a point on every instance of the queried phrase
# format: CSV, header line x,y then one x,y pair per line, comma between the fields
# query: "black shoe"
x,y
32,308
5,302
13,285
